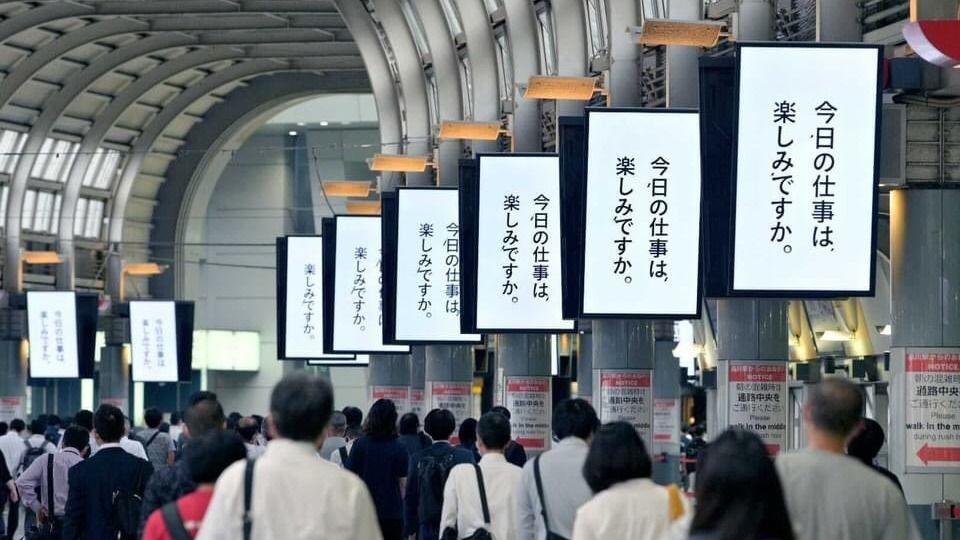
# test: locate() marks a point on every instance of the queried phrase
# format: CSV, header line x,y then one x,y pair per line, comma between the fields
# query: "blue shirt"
x,y
381,462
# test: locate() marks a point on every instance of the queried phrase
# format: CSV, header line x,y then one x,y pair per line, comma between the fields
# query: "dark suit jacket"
x,y
92,484
411,502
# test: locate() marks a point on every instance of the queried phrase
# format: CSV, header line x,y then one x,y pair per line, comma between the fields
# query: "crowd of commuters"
x,y
338,474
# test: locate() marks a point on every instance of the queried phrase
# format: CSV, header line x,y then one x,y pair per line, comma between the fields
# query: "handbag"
x,y
482,533
51,528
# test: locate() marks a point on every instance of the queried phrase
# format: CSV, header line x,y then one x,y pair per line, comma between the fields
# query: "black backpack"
x,y
127,505
31,454
432,472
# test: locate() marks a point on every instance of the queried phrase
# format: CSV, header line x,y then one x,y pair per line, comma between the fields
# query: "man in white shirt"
x,y
829,494
564,488
462,503
294,493
12,447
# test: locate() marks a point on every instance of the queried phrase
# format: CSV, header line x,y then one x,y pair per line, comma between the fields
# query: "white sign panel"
x,y
358,309
641,252
529,399
933,410
519,285
455,397
666,424
52,324
303,325
805,169
153,341
399,395
627,396
758,400
428,267
12,407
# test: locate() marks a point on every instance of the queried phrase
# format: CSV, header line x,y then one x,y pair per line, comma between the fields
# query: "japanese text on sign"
x,y
932,409
303,318
758,400
153,341
627,396
52,324
528,399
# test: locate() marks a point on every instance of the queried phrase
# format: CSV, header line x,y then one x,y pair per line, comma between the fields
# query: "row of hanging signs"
x,y
533,242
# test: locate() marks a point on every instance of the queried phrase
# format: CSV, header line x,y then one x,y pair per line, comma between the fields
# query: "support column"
x,y
585,366
925,263
115,377
388,377
13,380
623,360
418,367
666,406
449,380
526,389
753,352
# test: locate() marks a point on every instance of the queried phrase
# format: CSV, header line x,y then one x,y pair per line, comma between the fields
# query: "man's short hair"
x,y
84,418
493,429
202,395
409,424
37,427
338,423
301,405
574,418
109,423
152,417
835,406
439,424
502,410
354,416
53,420
247,428
175,417
4,427
76,437
204,416
18,425
208,456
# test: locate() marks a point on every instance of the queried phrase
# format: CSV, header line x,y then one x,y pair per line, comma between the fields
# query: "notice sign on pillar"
x,y
518,267
666,425
932,410
757,398
529,401
452,396
352,275
806,165
423,284
399,395
52,325
641,233
12,407
418,402
627,396
153,341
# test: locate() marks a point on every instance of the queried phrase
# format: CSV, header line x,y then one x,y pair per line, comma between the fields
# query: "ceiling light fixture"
x,y
399,163
654,32
476,131
347,188
363,208
562,88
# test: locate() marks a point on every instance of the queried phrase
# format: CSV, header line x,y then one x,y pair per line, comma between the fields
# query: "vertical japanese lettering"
x,y
823,163
541,255
784,115
623,216
452,262
511,205
359,291
425,268
659,226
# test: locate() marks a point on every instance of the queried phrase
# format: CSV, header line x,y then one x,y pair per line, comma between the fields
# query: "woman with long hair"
x,y
739,496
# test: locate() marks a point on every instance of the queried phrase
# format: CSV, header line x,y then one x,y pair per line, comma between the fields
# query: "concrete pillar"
x,y
752,344
666,406
623,361
585,366
115,377
418,368
388,377
925,263
448,378
13,380
526,387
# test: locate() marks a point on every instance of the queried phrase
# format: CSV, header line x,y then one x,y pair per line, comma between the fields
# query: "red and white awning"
x,y
936,41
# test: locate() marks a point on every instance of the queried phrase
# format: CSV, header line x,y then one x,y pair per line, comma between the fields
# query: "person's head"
x,y
109,423
152,417
617,454
468,431
833,410
247,428
868,441
53,421
84,418
4,427
354,416
76,437
382,419
574,418
501,410
202,395
739,495
338,425
232,420
259,420
204,416
209,455
493,432
300,407
439,424
18,425
409,424
175,418
37,427
163,427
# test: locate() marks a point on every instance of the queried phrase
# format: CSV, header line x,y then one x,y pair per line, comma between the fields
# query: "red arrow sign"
x,y
938,453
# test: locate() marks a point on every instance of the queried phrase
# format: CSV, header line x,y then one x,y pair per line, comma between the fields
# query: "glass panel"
x,y
94,219
40,164
41,216
416,28
504,67
492,5
79,219
466,86
4,195
597,25
11,142
433,100
452,16
55,221
548,53
29,200
69,157
108,170
93,168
